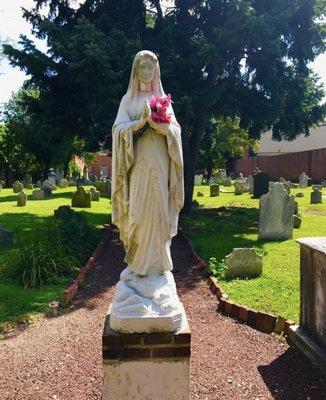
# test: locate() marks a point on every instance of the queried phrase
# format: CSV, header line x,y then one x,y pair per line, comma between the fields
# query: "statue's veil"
x,y
133,87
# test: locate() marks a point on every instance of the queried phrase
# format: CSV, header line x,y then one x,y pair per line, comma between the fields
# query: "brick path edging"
x,y
259,320
70,292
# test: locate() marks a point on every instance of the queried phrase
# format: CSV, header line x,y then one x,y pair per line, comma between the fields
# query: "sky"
x,y
12,25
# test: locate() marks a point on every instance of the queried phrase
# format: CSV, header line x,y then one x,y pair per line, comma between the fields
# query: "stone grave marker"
x,y
261,184
54,187
17,187
104,187
238,188
30,186
299,194
63,183
39,184
81,199
200,194
38,194
227,182
198,180
243,263
95,194
47,191
276,210
6,236
21,199
296,221
303,180
319,187
250,181
316,197
214,190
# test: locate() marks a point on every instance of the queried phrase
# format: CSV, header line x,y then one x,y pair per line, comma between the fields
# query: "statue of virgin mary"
x,y
147,195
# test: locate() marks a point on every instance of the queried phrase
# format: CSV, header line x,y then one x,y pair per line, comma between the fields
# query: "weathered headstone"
x,y
250,181
319,187
46,183
104,187
303,180
38,194
316,197
30,186
299,194
212,180
27,180
296,208
54,187
242,263
51,177
21,199
238,188
282,180
276,210
214,190
261,184
6,237
95,194
222,173
200,194
81,199
64,183
227,182
296,221
47,191
39,184
17,187
198,180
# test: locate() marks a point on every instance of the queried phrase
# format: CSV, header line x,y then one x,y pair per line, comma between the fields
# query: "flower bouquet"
x,y
159,112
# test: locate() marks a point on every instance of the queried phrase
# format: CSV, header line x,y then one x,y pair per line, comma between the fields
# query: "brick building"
x,y
102,165
288,158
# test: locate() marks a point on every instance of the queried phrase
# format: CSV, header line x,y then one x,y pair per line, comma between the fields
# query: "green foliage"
x,y
74,170
217,267
57,254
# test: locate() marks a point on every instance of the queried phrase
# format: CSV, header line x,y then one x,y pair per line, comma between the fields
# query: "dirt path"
x,y
60,357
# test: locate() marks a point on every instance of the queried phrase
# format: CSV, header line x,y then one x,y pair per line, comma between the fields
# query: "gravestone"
x,y
21,199
319,187
250,181
276,210
303,180
261,184
286,187
296,221
54,187
222,173
212,180
38,194
47,191
214,190
300,194
17,187
243,263
51,177
198,180
316,197
296,208
238,188
64,183
81,199
200,194
39,184
30,186
27,180
6,237
95,194
282,180
46,183
227,182
104,187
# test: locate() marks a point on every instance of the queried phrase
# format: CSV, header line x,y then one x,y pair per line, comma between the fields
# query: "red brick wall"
x,y
289,166
101,159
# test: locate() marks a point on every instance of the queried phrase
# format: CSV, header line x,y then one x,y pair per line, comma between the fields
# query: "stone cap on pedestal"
x,y
145,346
316,243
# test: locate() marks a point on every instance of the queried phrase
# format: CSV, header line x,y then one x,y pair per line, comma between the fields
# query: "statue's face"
x,y
146,70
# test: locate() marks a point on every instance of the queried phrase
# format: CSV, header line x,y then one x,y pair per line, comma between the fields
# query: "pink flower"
x,y
159,107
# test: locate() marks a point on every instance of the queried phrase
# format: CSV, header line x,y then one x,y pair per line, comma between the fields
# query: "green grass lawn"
x,y
17,304
227,221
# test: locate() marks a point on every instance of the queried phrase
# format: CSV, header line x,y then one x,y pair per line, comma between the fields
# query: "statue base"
x,y
146,304
132,363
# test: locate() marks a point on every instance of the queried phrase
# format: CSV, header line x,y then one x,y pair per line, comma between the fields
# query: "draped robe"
x,y
147,186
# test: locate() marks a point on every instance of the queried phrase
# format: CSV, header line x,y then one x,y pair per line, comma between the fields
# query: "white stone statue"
x,y
147,195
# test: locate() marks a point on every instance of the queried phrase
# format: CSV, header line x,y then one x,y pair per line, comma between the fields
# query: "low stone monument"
x,y
299,194
6,237
30,186
47,191
214,190
95,194
319,187
227,182
51,177
297,221
81,199
310,334
316,197
198,180
64,183
303,180
243,263
21,199
104,187
200,194
38,194
238,188
261,184
250,181
54,187
276,210
17,187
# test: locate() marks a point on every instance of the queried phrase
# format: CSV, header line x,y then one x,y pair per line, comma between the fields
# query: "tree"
x,y
238,59
223,140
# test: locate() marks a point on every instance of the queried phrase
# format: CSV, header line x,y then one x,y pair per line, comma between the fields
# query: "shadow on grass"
x,y
292,377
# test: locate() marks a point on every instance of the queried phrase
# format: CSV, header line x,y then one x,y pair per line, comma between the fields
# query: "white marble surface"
x,y
317,243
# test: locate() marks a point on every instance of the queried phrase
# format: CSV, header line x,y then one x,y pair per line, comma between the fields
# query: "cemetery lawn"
x,y
16,304
228,221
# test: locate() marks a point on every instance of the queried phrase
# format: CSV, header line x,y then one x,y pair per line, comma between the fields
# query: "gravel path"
x,y
59,357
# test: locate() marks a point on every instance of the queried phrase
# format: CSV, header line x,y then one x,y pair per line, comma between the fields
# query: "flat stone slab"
x,y
316,243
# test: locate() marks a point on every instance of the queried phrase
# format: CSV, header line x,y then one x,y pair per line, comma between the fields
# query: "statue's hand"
x,y
158,126
146,112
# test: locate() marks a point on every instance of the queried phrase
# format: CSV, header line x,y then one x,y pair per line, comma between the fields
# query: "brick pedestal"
x,y
153,366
